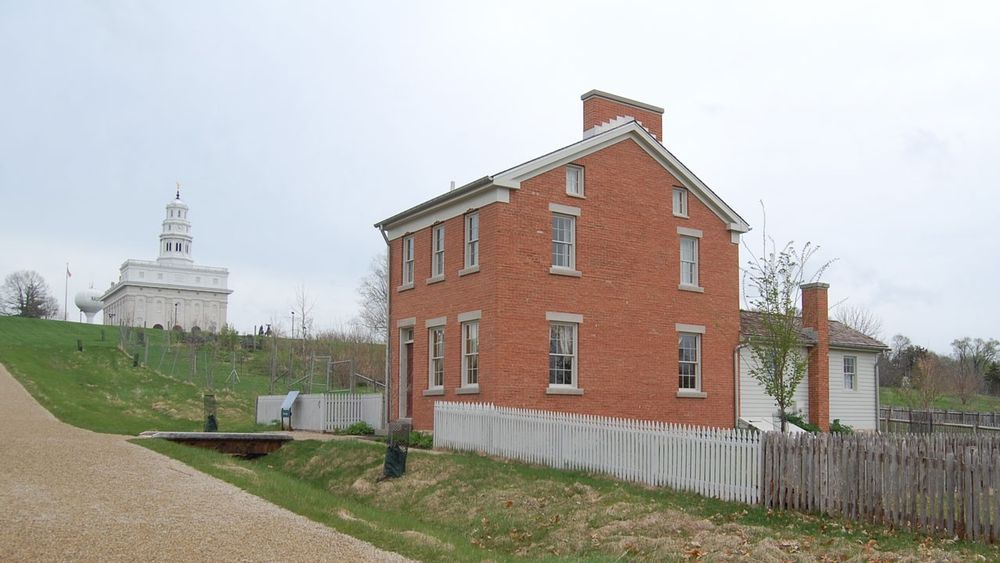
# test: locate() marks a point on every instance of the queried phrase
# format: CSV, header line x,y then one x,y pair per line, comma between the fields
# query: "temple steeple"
x,y
175,238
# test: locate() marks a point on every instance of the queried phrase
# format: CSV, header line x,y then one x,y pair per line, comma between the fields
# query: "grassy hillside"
x,y
891,396
98,388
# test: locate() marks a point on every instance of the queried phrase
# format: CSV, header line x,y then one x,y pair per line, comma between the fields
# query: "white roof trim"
x,y
513,177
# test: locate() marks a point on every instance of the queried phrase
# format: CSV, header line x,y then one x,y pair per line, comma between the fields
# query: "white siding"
x,y
853,407
754,402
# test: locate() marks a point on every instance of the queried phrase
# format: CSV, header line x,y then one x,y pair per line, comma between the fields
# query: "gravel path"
x,y
68,494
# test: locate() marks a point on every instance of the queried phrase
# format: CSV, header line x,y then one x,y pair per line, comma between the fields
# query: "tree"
x,y
771,289
374,291
896,368
25,294
926,382
973,358
860,319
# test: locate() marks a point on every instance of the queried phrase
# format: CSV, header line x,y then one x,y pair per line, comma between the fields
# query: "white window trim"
x,y
437,236
855,373
571,269
696,286
465,383
582,174
688,232
572,388
564,209
685,202
431,329
468,243
554,317
408,244
470,316
696,393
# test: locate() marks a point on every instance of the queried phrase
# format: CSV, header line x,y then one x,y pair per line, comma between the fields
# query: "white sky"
x,y
870,129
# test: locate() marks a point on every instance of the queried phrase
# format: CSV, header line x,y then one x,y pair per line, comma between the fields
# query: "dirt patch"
x,y
424,539
245,471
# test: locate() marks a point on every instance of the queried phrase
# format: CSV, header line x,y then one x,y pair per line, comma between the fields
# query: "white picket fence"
x,y
323,412
714,462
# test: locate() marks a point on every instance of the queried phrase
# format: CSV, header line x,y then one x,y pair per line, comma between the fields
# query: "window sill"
x,y
693,288
563,271
469,270
469,390
405,287
577,196
435,279
691,394
436,391
563,391
682,216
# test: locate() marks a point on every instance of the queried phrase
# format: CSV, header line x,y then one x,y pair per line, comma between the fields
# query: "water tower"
x,y
89,301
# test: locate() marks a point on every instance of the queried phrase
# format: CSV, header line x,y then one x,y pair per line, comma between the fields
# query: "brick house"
x,y
600,278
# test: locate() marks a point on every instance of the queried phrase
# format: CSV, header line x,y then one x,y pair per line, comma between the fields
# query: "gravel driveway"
x,y
68,494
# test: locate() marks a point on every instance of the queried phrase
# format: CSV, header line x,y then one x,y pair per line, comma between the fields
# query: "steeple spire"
x,y
178,191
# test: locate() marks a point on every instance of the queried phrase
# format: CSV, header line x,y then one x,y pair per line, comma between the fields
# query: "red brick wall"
x,y
597,110
814,316
628,252
455,295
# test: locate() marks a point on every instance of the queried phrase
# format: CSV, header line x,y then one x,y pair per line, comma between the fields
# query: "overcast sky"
x,y
870,129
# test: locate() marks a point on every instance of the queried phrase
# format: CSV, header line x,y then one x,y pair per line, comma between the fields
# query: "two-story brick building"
x,y
600,278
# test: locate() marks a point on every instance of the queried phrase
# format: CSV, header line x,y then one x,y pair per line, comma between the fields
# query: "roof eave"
x,y
431,204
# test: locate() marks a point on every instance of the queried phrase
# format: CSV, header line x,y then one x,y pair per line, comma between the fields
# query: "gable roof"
x,y
488,188
841,335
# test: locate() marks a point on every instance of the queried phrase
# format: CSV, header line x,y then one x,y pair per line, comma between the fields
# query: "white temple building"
x,y
171,292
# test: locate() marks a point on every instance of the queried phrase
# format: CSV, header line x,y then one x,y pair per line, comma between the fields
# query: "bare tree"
x,y
25,294
771,288
304,307
860,319
925,383
973,358
374,291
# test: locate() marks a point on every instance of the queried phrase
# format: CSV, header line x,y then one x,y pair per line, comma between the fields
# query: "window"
x,y
574,180
850,372
689,261
408,261
680,202
436,349
437,258
562,354
470,353
166,247
471,240
689,361
563,241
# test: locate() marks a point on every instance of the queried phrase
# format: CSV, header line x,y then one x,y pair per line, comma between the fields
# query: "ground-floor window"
x,y
562,354
689,361
470,353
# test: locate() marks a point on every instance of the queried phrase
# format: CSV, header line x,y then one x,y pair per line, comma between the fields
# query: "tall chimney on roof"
x,y
814,316
601,108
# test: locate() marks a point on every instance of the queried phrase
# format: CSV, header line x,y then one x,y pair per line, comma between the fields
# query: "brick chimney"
x,y
601,108
814,316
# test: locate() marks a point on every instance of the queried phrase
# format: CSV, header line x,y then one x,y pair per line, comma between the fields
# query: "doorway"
x,y
406,373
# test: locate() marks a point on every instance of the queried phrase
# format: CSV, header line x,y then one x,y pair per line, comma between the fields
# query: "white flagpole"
x,y
66,294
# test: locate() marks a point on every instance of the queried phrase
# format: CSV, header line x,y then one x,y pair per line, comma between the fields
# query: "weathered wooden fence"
x,y
896,419
933,483
323,412
720,463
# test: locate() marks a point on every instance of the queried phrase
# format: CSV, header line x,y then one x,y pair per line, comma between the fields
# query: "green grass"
x,y
468,507
98,388
892,397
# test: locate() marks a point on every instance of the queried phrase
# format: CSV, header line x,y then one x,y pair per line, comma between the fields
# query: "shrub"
x,y
797,420
839,428
421,441
359,429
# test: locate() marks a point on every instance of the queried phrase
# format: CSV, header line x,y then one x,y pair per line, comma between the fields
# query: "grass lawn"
x,y
468,507
98,388
891,397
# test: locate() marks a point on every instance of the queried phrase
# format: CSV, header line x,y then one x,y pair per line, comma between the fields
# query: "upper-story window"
x,y
564,241
471,240
680,202
574,180
408,261
689,261
850,372
689,361
437,259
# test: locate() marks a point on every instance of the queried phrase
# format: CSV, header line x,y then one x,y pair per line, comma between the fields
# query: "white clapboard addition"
x,y
323,412
717,462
